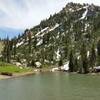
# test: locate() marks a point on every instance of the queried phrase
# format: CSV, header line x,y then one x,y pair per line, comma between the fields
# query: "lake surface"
x,y
51,86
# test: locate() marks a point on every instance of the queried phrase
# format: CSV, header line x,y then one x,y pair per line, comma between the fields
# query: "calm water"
x,y
51,86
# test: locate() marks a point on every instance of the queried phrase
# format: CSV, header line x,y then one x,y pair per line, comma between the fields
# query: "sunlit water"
x,y
51,86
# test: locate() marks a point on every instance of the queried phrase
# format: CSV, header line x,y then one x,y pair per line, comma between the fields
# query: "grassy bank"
x,y
5,67
11,71
14,69
8,69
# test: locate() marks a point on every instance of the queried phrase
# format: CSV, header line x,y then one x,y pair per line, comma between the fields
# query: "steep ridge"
x,y
54,38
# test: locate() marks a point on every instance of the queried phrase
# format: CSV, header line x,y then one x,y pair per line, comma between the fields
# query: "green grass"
x,y
4,67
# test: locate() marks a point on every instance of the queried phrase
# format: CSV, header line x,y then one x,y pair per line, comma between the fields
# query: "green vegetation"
x,y
5,67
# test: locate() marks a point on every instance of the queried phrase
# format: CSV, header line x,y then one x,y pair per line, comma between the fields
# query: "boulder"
x,y
18,64
97,69
54,69
38,64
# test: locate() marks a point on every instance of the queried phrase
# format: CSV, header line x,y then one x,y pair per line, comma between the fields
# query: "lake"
x,y
51,86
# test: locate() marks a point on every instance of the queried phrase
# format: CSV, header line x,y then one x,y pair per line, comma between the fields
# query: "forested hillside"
x,y
72,35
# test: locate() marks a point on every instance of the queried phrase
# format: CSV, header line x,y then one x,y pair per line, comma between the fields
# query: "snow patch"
x,y
88,53
85,13
19,44
43,30
40,42
57,25
97,67
58,55
65,66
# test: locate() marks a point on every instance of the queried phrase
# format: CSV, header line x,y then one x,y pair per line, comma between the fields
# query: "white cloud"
x,y
27,13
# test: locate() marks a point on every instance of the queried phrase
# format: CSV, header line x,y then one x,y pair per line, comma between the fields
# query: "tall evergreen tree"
x,y
71,62
6,52
29,33
76,66
98,53
60,63
14,46
92,57
84,58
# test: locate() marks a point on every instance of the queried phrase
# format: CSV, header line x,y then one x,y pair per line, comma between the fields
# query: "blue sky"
x,y
22,14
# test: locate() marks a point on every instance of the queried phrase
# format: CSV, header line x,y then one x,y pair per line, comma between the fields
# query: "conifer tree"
x,y
60,63
84,58
92,57
71,62
6,51
98,53
76,65
14,46
30,39
98,48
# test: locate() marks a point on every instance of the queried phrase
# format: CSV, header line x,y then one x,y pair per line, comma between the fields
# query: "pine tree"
x,y
76,66
84,58
29,40
92,57
14,46
25,35
6,52
71,62
60,62
98,53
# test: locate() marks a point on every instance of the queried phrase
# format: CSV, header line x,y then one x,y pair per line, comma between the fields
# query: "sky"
x,y
22,14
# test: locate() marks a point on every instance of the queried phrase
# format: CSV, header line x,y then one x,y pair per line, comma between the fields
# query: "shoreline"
x,y
35,71
15,75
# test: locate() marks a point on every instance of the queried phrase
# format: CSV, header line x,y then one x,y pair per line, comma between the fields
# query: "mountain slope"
x,y
53,39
